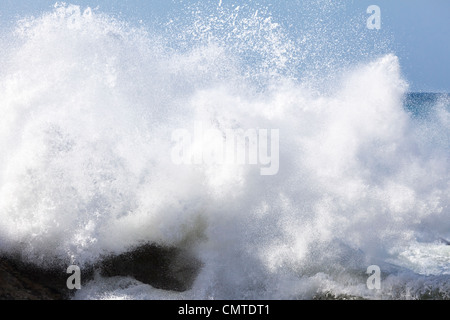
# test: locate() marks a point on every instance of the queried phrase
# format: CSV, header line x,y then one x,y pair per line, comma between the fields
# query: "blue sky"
x,y
420,29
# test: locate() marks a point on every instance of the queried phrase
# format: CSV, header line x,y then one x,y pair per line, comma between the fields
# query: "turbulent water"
x,y
88,107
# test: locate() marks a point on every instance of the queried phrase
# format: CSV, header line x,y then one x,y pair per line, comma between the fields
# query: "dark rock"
x,y
21,281
163,268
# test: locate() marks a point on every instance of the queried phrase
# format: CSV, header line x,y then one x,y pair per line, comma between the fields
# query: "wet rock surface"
x,y
163,268
20,281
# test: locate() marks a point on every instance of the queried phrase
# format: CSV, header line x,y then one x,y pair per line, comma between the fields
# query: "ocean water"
x,y
89,103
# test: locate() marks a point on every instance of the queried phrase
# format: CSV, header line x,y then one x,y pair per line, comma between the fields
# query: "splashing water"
x,y
88,107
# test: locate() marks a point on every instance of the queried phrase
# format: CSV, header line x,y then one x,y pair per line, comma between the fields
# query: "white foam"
x,y
88,107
